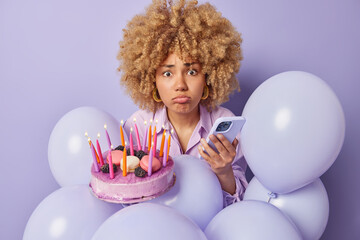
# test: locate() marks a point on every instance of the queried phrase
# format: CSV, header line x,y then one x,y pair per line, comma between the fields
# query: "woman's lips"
x,y
181,99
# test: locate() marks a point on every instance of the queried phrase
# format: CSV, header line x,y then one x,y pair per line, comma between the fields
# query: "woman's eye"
x,y
167,74
192,72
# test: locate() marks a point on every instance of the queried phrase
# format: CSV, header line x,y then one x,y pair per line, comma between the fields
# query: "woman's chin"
x,y
182,108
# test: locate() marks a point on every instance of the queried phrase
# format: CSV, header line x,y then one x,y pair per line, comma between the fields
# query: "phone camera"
x,y
223,126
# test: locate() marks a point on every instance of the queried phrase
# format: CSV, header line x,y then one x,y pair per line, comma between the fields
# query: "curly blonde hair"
x,y
190,31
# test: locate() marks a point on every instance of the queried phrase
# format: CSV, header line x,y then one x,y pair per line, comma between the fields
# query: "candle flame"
x,y
89,140
125,143
156,121
105,126
122,122
98,135
172,131
134,119
151,121
145,122
112,146
163,126
131,129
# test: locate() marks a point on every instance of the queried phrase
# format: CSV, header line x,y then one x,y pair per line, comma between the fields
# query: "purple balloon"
x,y
149,221
294,130
307,207
197,192
69,153
70,212
253,220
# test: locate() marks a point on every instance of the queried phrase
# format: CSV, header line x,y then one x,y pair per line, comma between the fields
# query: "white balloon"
x,y
148,221
69,154
294,130
253,220
70,212
307,207
197,192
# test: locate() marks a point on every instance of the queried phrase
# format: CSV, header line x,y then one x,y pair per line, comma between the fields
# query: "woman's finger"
x,y
211,152
226,143
215,163
235,143
218,145
229,151
205,156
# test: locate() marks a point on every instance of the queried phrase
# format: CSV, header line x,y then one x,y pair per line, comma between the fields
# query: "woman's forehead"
x,y
173,59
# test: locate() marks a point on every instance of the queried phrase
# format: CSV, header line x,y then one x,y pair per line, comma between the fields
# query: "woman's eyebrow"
x,y
189,64
172,65
168,66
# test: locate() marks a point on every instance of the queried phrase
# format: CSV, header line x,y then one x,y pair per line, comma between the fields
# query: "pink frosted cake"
x,y
133,187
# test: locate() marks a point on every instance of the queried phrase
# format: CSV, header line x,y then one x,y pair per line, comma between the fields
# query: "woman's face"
x,y
180,84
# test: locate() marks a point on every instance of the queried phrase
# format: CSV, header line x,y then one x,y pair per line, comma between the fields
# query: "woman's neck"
x,y
184,120
184,125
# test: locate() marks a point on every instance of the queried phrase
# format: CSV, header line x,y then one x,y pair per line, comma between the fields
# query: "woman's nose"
x,y
180,83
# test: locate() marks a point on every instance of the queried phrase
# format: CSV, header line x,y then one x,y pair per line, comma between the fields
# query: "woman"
x,y
178,63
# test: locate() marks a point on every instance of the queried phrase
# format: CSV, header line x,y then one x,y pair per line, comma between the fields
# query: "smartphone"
x,y
227,126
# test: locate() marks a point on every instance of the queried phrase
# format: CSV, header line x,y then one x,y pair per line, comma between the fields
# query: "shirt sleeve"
x,y
239,167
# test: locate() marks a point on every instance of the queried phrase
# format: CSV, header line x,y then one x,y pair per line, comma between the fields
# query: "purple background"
x,y
59,55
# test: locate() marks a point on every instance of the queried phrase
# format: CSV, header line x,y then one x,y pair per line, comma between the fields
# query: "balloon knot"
x,y
271,195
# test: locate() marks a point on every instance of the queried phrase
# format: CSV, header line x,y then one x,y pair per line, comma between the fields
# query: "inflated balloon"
x,y
149,221
69,153
294,130
197,192
307,207
68,213
253,220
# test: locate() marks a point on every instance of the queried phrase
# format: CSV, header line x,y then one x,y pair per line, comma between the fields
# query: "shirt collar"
x,y
205,119
161,116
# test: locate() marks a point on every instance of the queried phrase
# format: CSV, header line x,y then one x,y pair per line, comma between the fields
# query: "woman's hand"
x,y
221,162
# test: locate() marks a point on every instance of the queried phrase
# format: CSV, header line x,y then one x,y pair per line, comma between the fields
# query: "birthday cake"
x,y
139,183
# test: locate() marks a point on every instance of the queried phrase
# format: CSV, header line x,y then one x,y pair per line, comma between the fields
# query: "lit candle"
x,y
168,150
122,133
137,135
99,150
96,166
111,167
107,137
150,135
162,142
155,139
89,140
131,143
150,161
165,150
112,147
124,161
145,137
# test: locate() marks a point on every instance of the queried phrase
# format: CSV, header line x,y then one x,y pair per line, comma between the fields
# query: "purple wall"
x,y
59,55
